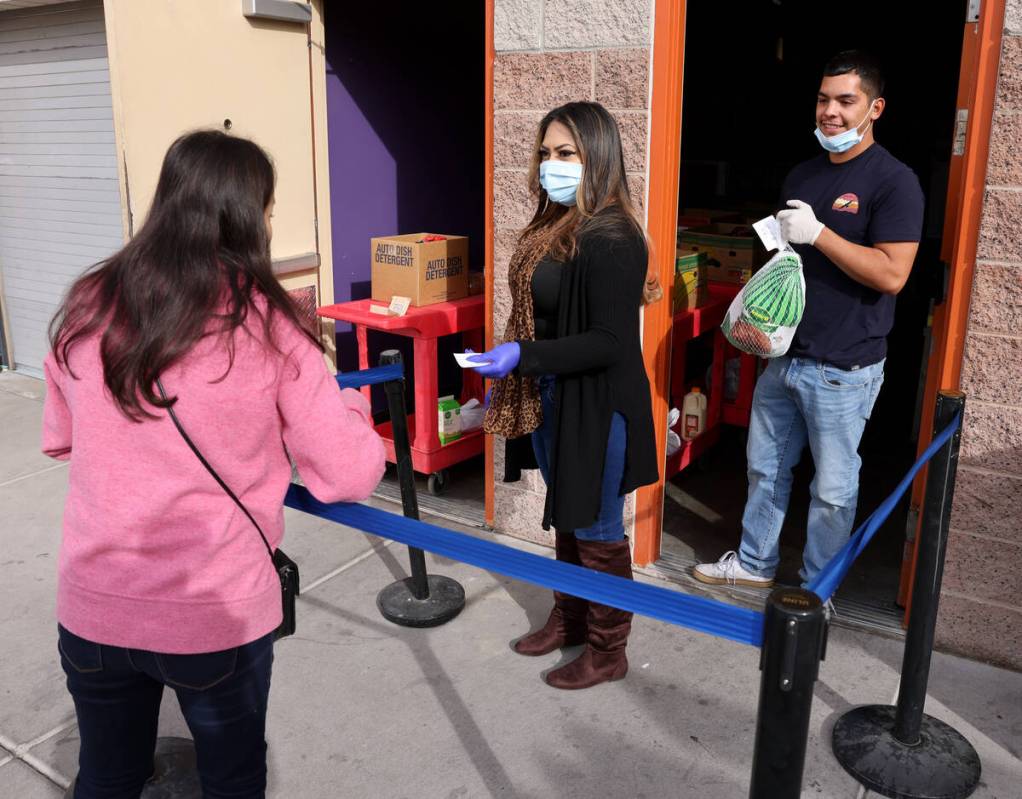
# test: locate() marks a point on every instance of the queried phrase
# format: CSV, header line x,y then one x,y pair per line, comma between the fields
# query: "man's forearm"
x,y
867,265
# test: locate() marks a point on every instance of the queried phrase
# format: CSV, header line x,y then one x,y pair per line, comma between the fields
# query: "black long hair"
x,y
201,258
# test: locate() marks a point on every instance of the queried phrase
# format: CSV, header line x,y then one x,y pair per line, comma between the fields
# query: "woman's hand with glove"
x,y
498,362
799,225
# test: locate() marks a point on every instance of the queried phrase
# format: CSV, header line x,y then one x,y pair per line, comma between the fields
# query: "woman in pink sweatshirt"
x,y
163,580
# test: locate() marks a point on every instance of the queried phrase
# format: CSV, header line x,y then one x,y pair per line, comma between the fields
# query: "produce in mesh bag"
x,y
762,318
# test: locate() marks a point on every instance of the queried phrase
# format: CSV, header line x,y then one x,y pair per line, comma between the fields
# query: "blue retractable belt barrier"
x,y
827,581
705,615
370,377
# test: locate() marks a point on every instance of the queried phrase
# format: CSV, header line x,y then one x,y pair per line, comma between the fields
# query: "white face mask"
x,y
846,140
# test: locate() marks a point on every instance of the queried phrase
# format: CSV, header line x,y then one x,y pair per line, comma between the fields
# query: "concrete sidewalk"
x,y
361,708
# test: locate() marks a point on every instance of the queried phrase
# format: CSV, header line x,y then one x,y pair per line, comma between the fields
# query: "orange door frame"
x,y
977,85
489,55
662,225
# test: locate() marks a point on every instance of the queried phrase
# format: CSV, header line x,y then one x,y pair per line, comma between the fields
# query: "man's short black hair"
x,y
862,64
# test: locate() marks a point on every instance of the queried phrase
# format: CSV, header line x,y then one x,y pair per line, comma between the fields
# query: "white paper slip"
x,y
769,231
463,360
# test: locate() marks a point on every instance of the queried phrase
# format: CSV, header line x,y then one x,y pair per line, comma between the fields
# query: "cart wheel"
x,y
437,482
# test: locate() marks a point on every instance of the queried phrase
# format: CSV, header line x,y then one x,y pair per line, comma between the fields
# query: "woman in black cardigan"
x,y
570,381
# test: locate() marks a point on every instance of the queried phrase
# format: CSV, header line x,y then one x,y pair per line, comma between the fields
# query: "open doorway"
x,y
406,120
751,73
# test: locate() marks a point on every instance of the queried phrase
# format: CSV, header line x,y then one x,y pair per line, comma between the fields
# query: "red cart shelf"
x,y
424,326
692,324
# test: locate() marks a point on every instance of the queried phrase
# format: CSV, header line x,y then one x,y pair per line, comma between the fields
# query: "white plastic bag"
x,y
472,413
763,317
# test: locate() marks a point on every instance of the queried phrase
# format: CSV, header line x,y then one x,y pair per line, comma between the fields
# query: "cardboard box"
x,y
690,282
427,271
733,252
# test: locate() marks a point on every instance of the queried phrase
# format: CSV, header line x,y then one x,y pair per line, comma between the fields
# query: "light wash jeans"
x,y
798,402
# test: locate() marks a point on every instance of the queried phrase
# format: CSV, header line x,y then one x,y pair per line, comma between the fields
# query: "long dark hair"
x,y
201,257
603,202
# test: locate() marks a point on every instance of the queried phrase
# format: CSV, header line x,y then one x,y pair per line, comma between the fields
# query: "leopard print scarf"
x,y
515,408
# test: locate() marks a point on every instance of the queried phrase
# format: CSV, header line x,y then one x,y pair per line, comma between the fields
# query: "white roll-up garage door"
x,y
60,207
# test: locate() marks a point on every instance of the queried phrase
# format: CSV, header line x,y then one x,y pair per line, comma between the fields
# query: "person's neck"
x,y
867,142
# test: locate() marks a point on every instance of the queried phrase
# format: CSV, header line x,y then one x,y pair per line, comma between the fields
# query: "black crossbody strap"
x,y
211,470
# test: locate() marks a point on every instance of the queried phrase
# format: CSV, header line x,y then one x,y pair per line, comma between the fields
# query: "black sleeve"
x,y
897,213
610,270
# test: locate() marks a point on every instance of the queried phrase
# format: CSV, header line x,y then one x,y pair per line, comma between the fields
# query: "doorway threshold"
x,y
850,613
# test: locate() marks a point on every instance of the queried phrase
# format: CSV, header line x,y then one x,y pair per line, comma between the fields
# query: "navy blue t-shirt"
x,y
872,199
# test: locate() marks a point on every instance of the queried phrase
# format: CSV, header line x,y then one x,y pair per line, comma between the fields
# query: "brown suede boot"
x,y
566,625
604,657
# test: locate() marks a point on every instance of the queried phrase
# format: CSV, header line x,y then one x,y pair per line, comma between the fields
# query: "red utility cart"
x,y
424,325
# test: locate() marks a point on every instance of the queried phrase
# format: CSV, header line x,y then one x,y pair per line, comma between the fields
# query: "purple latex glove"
x,y
499,361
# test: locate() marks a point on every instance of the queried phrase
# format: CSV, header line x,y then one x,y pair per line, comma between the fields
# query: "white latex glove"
x,y
799,225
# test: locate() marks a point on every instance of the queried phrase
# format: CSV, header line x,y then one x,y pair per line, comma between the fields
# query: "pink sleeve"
x,y
56,414
328,432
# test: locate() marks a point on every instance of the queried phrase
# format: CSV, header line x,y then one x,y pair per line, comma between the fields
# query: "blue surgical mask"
x,y
845,140
560,180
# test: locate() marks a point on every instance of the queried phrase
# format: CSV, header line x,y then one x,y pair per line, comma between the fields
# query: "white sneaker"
x,y
729,571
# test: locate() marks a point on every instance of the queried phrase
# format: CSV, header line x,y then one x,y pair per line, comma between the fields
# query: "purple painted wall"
x,y
406,139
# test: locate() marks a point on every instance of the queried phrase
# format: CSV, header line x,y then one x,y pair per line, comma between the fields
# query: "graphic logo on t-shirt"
x,y
847,203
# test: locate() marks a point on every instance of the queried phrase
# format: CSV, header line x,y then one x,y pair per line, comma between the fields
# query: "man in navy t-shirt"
x,y
855,215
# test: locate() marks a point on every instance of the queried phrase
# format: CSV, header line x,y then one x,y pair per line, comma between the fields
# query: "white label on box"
x,y
769,232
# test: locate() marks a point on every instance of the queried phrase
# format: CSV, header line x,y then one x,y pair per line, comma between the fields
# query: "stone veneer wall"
x,y
981,606
550,52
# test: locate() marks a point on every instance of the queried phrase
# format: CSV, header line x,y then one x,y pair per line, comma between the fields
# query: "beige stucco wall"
x,y
981,605
550,52
177,65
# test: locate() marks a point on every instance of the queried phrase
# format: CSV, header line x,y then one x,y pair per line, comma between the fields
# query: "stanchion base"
x,y
943,765
176,775
445,601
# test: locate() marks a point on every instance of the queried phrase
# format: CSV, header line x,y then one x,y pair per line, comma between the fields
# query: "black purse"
x,y
287,569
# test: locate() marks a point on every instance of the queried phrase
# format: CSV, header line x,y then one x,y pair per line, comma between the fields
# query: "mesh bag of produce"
x,y
763,317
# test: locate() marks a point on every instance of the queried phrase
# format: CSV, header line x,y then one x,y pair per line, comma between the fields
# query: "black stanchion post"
x,y
794,640
421,600
900,751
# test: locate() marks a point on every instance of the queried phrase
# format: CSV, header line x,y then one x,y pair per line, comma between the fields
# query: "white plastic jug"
x,y
693,414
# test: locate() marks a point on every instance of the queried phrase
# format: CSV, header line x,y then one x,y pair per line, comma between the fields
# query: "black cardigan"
x,y
597,358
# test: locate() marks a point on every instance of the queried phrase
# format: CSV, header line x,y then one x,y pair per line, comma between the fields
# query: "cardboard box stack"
x,y
733,251
690,287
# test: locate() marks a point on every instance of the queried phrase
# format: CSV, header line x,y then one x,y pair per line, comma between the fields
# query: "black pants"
x,y
117,695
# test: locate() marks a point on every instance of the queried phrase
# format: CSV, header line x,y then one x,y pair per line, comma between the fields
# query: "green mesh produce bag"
x,y
762,318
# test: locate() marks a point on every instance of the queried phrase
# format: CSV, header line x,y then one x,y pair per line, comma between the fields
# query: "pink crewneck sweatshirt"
x,y
155,555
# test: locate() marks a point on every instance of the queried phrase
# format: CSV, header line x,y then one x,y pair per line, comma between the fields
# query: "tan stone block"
x,y
637,189
513,205
987,504
980,631
622,78
517,24
1009,79
996,305
992,369
1000,234
992,438
504,243
519,513
514,138
983,569
541,81
596,23
634,127
1004,165
1013,17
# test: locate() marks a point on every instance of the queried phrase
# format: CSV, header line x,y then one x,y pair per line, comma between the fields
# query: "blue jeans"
x,y
610,524
798,402
117,694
